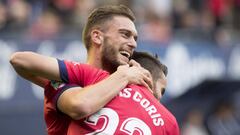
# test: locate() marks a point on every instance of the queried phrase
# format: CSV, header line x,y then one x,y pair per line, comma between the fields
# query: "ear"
x,y
96,36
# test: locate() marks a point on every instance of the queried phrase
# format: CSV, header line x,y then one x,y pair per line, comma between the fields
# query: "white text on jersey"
x,y
145,103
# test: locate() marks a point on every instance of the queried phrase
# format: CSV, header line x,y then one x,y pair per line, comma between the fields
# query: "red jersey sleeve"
x,y
56,122
80,74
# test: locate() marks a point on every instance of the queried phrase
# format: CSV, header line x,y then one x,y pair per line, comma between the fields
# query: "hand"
x,y
137,75
134,63
149,79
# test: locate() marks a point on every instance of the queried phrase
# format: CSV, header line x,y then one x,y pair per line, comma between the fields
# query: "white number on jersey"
x,y
111,121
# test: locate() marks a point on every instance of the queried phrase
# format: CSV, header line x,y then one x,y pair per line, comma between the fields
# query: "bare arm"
x,y
80,102
75,102
35,67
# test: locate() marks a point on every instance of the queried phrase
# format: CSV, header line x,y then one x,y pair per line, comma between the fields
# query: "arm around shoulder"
x,y
79,102
74,103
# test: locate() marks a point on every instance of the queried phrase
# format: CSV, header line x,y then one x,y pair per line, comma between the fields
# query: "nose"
x,y
132,43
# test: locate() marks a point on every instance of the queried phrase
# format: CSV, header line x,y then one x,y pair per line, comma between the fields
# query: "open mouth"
x,y
125,53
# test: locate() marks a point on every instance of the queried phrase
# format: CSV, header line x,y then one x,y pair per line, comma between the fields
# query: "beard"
x,y
109,57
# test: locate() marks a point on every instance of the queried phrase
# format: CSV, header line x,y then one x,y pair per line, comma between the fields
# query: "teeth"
x,y
125,53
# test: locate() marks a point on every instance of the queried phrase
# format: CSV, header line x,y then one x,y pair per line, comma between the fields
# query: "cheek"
x,y
107,45
158,88
109,52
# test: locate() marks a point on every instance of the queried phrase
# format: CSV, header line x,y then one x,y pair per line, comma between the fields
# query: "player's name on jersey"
x,y
145,103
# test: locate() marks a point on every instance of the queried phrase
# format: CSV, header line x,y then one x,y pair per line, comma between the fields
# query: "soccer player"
x,y
133,110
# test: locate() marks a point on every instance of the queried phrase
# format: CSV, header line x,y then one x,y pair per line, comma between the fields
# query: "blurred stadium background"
x,y
199,40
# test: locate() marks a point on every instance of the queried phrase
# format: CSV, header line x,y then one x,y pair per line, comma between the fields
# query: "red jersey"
x,y
133,111
56,122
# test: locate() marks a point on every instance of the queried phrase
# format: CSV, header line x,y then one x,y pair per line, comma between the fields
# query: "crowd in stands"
x,y
158,21
223,120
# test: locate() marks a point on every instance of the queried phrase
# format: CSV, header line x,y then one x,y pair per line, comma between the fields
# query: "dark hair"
x,y
102,14
151,63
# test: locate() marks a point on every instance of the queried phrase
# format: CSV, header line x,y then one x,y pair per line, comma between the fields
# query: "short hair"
x,y
151,63
101,15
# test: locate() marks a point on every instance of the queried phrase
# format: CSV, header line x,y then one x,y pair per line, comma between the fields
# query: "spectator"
x,y
19,12
223,120
47,26
194,124
3,16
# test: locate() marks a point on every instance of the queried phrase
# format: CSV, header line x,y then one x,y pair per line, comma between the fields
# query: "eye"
x,y
126,34
163,91
135,38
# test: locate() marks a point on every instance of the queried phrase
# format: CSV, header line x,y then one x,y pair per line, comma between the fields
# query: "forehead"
x,y
122,23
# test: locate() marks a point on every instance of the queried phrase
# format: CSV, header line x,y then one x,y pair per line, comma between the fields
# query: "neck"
x,y
109,67
94,58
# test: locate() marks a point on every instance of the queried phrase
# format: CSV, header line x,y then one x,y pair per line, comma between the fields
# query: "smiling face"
x,y
119,42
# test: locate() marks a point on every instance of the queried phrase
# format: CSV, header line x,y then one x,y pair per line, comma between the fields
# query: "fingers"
x,y
123,67
139,75
149,82
147,73
126,65
134,63
147,77
146,85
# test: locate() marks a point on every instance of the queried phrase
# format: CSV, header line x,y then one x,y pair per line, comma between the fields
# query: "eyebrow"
x,y
134,35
